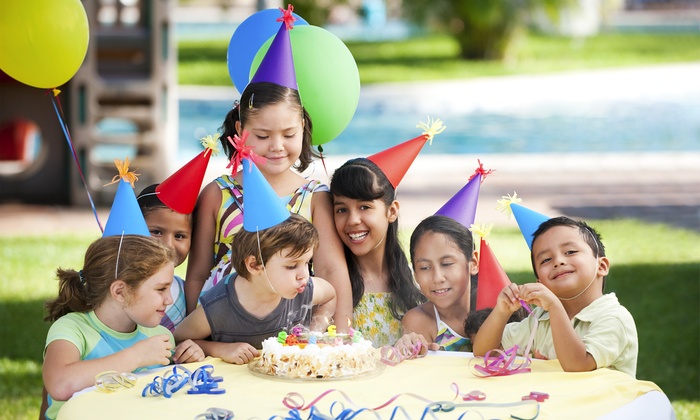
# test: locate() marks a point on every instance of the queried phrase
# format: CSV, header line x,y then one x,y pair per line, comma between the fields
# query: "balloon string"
x,y
61,120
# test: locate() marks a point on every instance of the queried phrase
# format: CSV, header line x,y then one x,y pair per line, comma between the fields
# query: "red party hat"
x,y
181,189
396,160
492,279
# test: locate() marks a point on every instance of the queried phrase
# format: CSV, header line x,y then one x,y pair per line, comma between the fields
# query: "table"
x,y
584,395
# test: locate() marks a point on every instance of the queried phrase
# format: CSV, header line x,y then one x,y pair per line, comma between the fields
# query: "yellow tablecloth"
x,y
571,395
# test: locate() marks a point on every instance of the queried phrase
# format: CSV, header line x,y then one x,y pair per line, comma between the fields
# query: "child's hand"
x,y
239,353
154,350
538,294
187,352
407,343
509,299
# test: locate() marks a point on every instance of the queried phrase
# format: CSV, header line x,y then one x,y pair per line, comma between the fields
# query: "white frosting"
x,y
314,361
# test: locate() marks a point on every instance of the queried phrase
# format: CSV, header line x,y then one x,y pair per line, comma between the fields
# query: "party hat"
x,y
492,279
462,206
396,160
125,217
278,64
262,207
528,220
181,189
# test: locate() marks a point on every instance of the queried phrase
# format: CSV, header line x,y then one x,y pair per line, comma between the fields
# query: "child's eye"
x,y
365,207
570,252
155,232
340,210
261,137
447,264
424,268
544,261
180,236
290,136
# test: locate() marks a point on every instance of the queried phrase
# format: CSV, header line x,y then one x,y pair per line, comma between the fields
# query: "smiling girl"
x,y
444,259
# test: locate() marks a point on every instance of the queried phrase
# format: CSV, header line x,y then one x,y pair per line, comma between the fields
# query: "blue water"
x,y
669,124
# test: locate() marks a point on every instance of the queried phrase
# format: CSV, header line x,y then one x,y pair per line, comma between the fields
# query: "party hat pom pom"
x,y
242,152
481,171
123,169
505,202
287,16
211,143
431,128
481,230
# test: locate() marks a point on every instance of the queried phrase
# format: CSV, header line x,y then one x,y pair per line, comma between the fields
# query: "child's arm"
x,y
420,320
419,326
201,258
491,331
188,352
196,327
324,301
570,348
329,258
64,373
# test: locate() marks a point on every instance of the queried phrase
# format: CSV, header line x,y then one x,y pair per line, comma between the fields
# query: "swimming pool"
x,y
632,110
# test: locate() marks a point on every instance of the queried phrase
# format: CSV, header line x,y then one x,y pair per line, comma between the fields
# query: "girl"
x,y
174,230
107,317
444,261
366,219
280,132
271,290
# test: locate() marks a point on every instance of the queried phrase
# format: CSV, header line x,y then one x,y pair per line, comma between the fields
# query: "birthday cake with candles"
x,y
304,354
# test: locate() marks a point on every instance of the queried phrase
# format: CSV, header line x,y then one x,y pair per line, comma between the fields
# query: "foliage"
x,y
437,57
484,29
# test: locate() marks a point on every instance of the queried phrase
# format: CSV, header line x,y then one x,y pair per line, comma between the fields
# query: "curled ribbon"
x,y
242,152
112,381
392,356
200,381
503,362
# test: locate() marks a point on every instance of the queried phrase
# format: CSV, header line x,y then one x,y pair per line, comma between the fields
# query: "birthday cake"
x,y
314,355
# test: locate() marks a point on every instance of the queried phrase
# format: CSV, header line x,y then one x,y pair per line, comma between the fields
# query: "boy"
x,y
270,290
577,324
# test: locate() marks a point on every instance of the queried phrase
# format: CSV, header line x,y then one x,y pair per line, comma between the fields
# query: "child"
x,y
444,261
280,131
107,316
366,219
269,291
577,323
174,230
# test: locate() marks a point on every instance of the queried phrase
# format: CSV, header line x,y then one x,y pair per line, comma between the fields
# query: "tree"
x,y
484,29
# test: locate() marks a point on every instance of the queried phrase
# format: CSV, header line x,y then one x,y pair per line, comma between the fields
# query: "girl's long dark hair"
x,y
361,179
254,98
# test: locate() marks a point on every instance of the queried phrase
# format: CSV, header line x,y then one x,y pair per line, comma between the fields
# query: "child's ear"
x,y
393,211
603,266
118,290
474,263
238,128
251,263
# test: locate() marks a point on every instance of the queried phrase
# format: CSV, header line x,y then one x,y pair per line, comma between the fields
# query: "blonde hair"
x,y
131,259
295,233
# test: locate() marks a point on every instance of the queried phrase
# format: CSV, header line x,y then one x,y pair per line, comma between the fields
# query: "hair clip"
x,y
236,103
250,102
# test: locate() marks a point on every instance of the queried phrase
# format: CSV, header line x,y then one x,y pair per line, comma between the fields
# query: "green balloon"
x,y
328,79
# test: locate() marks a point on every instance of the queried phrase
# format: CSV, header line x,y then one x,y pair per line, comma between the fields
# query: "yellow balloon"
x,y
44,42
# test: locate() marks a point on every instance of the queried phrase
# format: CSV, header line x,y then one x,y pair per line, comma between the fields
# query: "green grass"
x,y
436,57
655,272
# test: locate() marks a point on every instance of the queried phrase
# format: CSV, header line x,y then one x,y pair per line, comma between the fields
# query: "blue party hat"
x,y
528,220
125,217
278,64
262,208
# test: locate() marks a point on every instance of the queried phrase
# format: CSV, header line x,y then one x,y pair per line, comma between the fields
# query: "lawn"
x,y
436,57
655,274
